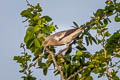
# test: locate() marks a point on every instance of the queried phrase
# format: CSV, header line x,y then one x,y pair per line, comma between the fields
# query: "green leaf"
x,y
76,58
29,30
21,71
107,34
79,53
101,23
38,7
109,20
108,2
67,68
76,25
108,56
56,72
29,44
68,51
117,18
36,17
89,78
36,28
45,70
110,7
28,77
29,34
93,39
99,12
35,58
118,7
114,1
87,41
105,21
26,13
27,37
91,66
109,10
15,58
117,55
41,65
113,42
19,59
80,47
90,40
47,18
37,43
96,70
115,77
52,27
94,28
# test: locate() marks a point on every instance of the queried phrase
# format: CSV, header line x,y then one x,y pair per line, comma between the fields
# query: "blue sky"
x,y
12,30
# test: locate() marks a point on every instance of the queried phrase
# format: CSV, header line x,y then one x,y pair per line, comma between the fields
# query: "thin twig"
x,y
28,3
23,46
35,63
55,62
71,76
61,51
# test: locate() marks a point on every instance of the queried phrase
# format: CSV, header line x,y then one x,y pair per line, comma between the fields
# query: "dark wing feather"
x,y
57,36
60,35
68,32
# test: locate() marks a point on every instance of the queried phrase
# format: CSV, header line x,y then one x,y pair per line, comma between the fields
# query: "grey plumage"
x,y
63,37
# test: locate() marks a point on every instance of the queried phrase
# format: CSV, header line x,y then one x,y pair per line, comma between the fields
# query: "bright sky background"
x,y
12,30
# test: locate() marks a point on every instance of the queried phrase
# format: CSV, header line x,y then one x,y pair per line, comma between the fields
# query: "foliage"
x,y
80,65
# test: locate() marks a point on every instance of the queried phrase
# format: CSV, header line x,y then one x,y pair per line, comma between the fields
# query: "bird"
x,y
62,37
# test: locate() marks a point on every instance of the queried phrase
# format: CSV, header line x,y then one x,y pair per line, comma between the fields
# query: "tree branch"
x,y
105,55
71,76
61,51
55,62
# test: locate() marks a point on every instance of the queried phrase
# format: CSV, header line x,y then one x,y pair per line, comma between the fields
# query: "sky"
x,y
12,30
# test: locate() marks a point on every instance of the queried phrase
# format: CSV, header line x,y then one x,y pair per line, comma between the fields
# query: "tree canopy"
x,y
72,64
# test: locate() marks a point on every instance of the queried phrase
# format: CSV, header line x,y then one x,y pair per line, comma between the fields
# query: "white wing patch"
x,y
58,37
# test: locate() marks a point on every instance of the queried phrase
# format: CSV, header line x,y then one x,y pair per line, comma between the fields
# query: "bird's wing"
x,y
68,32
60,35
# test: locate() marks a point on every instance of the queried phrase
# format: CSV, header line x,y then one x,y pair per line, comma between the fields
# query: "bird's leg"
x,y
62,50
